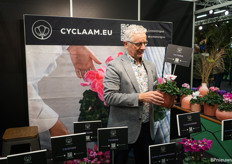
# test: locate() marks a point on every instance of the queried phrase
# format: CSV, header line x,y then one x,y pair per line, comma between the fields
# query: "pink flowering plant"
x,y
185,89
94,157
213,97
93,106
194,150
168,85
227,103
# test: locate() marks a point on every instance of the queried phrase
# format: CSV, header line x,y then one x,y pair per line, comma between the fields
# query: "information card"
x,y
188,123
226,129
68,147
33,157
114,138
178,55
88,127
162,153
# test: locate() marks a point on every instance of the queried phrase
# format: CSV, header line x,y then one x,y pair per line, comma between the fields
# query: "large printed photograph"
x,y
66,59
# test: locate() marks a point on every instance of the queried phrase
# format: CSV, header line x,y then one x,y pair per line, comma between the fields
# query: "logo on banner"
x,y
41,29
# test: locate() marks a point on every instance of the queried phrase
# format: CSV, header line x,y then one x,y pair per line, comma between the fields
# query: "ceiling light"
x,y
226,12
210,11
220,11
201,16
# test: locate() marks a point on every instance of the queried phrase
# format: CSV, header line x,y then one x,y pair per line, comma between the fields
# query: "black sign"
x,y
178,55
68,147
188,123
89,127
3,160
48,30
115,138
33,157
162,153
226,129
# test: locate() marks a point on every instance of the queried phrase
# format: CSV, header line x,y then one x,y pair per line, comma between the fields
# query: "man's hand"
x,y
82,59
58,129
153,97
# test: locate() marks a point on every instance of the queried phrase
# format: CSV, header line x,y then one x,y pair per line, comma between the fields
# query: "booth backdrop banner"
x,y
54,91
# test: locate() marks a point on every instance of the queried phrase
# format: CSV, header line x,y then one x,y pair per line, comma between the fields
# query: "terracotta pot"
x,y
203,89
196,107
210,110
223,115
169,100
186,102
181,97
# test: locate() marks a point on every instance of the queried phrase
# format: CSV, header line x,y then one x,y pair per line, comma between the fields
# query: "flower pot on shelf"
x,y
181,98
196,107
223,115
203,89
210,110
186,102
169,100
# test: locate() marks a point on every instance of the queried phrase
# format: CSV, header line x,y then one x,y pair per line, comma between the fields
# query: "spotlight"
x,y
226,12
200,27
210,11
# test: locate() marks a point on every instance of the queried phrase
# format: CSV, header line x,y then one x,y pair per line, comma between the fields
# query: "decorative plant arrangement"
x,y
211,101
194,150
169,89
93,106
212,46
224,110
94,157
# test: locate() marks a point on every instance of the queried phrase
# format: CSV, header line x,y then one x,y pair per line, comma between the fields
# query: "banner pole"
x,y
174,69
139,6
71,8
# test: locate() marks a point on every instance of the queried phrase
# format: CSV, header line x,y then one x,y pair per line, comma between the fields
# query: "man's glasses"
x,y
139,44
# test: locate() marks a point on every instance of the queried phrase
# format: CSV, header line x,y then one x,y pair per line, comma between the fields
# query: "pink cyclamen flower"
x,y
160,80
185,85
214,89
170,77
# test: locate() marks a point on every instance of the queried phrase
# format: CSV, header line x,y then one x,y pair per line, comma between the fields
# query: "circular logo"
x,y
41,29
27,158
68,140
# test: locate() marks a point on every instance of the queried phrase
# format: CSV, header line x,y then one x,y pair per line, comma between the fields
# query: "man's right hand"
x,y
153,97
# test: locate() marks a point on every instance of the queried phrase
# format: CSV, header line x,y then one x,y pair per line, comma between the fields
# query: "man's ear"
x,y
125,43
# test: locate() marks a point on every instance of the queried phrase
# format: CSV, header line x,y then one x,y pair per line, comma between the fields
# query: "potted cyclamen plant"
x,y
185,91
196,102
194,150
169,89
224,110
211,101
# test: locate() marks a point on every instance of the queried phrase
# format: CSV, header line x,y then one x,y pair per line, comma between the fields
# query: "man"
x,y
128,89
